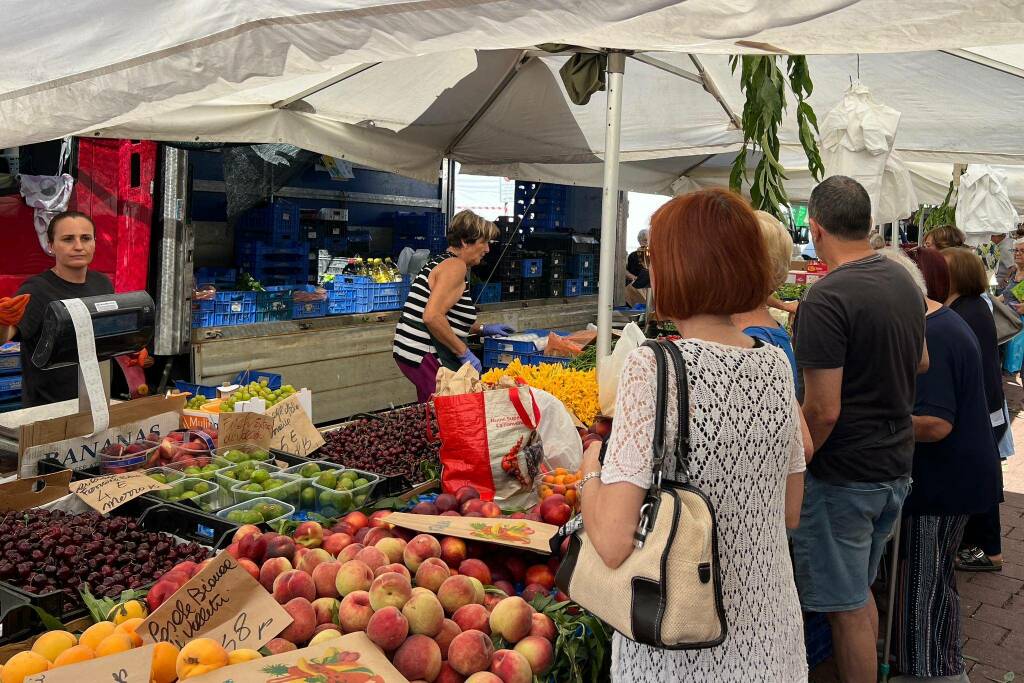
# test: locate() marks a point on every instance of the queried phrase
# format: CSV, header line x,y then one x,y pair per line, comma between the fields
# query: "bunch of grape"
x,y
196,402
257,390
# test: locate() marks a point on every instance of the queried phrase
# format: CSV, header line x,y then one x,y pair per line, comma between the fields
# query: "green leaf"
x,y
51,622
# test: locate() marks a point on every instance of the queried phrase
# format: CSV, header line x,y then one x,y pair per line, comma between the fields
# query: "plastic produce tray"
x,y
249,504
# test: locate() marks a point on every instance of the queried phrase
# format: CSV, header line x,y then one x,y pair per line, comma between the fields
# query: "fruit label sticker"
x,y
222,602
131,666
293,431
518,533
346,659
110,491
246,428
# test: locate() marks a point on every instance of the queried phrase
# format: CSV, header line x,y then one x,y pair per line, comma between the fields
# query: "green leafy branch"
x,y
943,214
583,643
764,85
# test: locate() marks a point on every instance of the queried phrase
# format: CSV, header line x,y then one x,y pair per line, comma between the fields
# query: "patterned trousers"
x,y
927,610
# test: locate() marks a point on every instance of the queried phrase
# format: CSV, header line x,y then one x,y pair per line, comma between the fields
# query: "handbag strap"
x,y
663,352
683,436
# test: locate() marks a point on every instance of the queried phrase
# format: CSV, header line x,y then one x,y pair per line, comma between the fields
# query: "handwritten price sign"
x,y
222,602
103,494
132,666
293,430
246,428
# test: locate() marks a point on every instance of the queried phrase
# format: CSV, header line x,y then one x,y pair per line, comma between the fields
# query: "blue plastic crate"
x,y
572,287
581,264
195,389
274,306
489,294
359,294
274,380
10,358
586,286
218,277
435,245
513,346
10,387
303,309
501,359
234,308
432,224
203,311
277,221
262,253
533,267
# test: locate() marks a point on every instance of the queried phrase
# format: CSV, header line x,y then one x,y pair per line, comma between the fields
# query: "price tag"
x,y
293,430
517,533
243,428
132,666
222,602
110,491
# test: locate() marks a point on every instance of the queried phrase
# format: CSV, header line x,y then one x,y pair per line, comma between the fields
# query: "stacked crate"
x,y
270,246
541,206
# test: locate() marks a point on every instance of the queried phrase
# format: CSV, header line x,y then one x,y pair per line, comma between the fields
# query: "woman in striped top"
x,y
439,314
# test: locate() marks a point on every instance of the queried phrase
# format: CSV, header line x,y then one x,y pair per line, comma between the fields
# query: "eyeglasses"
x,y
1018,251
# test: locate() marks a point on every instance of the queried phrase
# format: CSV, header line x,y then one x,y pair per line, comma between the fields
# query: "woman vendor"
x,y
439,315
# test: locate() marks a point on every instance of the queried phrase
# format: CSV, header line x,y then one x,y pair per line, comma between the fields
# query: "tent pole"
x,y
609,204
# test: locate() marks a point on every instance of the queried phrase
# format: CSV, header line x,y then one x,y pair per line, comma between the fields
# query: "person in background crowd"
x,y
860,344
1012,294
876,241
1004,253
955,473
638,279
439,314
748,457
944,237
72,237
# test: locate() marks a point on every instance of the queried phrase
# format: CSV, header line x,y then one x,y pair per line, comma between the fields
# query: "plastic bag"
x,y
562,444
570,345
48,195
609,369
411,261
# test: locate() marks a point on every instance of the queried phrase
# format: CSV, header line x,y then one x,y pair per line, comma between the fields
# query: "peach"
x,y
542,575
357,519
396,568
303,621
505,587
392,547
555,510
453,550
273,568
355,612
353,576
280,645
419,657
326,610
361,535
543,627
280,546
477,569
245,530
324,578
449,629
312,559
251,567
325,635
235,552
490,509
516,567
387,628
466,493
512,619
473,617
445,502
448,675
470,652
539,652
534,590
294,584
375,535
473,507
483,677
349,552
424,614
491,600
479,592
309,534
372,557
455,592
300,552
378,519
254,546
419,549
390,589
511,667
432,573
337,542
343,527
424,508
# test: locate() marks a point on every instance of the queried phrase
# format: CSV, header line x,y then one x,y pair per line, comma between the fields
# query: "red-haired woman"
x,y
746,447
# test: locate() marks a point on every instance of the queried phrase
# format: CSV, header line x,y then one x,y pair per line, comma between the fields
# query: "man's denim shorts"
x,y
843,530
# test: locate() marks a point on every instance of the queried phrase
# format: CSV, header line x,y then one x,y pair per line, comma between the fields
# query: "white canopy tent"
x,y
394,84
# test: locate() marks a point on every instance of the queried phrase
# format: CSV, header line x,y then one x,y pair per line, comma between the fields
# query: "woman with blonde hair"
x,y
759,323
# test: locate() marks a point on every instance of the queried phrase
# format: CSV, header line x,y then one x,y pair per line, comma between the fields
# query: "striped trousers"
x,y
927,610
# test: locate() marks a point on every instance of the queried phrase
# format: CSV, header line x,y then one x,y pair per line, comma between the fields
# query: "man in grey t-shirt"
x,y
860,344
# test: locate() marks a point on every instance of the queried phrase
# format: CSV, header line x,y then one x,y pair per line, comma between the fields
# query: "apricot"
x,y
129,627
73,655
200,656
23,664
52,643
163,669
127,610
94,635
114,643
243,655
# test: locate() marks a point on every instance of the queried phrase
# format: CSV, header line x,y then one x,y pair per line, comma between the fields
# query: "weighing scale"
x,y
120,324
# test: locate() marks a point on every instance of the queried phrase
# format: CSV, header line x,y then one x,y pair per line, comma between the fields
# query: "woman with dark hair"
x,y
982,545
955,474
944,237
747,453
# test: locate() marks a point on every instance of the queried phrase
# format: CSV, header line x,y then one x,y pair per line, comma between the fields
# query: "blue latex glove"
x,y
496,330
470,357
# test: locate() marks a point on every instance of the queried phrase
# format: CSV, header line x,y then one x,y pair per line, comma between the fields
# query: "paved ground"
x,y
992,603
